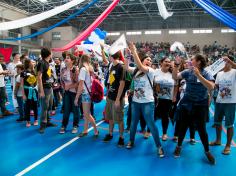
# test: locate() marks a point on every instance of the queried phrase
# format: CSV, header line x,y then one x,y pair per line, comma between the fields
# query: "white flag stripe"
x,y
119,44
216,67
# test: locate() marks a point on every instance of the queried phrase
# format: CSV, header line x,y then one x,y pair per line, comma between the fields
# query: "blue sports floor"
x,y
25,151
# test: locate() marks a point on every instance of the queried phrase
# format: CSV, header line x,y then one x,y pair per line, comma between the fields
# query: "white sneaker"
x,y
74,130
164,137
36,123
62,130
28,124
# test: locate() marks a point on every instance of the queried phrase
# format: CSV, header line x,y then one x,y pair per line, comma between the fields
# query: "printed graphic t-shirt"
x,y
117,74
29,78
143,92
227,86
166,84
66,78
47,73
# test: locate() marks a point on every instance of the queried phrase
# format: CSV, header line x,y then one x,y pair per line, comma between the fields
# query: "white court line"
x,y
52,153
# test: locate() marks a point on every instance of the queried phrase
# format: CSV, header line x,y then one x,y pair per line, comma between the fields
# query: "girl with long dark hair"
x,y
194,105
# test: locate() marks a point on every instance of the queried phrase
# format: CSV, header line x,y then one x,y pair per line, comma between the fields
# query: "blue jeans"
x,y
21,106
147,110
2,99
69,106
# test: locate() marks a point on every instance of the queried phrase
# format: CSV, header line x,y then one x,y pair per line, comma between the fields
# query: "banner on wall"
x,y
6,52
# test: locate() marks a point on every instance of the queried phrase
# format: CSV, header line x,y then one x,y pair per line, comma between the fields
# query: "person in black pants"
x,y
176,114
30,93
166,89
194,104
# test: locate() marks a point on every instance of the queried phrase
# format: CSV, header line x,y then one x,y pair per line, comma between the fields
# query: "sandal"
x,y
164,137
82,134
226,151
214,143
96,135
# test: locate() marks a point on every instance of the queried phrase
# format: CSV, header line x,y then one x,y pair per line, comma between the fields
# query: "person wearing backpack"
x,y
143,99
84,90
114,110
69,82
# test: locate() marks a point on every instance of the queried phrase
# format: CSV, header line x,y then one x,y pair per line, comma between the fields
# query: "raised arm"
x,y
226,59
127,67
175,73
104,59
137,60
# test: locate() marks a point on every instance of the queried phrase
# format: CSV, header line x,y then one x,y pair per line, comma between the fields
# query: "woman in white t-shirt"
x,y
225,103
143,99
166,90
84,90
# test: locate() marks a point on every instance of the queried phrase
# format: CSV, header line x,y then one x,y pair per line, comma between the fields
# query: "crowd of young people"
x,y
176,91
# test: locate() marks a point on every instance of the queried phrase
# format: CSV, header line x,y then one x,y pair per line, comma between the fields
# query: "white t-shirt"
x,y
143,92
85,76
183,86
2,82
67,79
166,83
227,86
63,65
12,68
19,92
52,66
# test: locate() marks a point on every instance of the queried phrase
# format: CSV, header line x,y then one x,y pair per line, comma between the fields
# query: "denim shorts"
x,y
86,98
226,110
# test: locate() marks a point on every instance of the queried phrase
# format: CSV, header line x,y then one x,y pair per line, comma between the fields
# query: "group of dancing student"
x,y
192,106
152,94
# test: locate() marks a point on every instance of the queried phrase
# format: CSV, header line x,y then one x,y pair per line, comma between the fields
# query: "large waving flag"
x,y
118,45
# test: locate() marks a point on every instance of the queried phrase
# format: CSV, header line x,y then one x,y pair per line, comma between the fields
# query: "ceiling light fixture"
x,y
43,1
